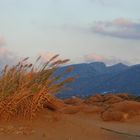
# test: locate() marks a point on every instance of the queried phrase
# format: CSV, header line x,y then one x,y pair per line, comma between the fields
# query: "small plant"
x,y
26,87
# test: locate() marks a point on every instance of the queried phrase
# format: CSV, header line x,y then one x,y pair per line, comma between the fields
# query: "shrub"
x,y
26,87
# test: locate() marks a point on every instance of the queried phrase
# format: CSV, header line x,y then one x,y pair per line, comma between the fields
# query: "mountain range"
x,y
96,77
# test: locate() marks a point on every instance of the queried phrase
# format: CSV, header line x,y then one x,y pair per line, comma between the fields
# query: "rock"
x,y
2,129
73,101
92,109
21,128
121,111
94,99
19,132
71,109
114,116
111,99
124,96
54,103
10,127
130,107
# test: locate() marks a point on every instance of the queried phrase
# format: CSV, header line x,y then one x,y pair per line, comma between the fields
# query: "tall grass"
x,y
26,87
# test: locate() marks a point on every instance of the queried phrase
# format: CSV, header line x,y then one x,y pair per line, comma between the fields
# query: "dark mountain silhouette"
x,y
96,77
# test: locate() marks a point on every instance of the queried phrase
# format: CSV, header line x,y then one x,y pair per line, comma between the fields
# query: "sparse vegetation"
x,y
26,87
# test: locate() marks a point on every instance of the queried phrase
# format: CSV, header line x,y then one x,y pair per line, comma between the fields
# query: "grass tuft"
x,y
26,87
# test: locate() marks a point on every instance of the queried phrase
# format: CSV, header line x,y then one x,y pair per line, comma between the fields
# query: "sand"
x,y
80,126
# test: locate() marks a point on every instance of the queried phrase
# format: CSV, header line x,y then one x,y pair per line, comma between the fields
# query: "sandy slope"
x,y
56,126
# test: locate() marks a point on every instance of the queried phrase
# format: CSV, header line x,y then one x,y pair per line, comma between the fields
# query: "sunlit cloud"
x,y
46,56
93,57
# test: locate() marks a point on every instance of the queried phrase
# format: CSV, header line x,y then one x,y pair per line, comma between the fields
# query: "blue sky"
x,y
82,30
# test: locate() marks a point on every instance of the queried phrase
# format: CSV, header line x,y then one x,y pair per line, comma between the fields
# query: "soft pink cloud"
x,y
93,57
6,57
100,58
122,22
2,41
46,56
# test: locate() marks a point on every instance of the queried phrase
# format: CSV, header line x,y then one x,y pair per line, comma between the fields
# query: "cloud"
x,y
107,60
6,57
120,28
93,57
46,56
2,41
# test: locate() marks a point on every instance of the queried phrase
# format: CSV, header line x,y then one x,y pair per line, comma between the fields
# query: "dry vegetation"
x,y
26,87
27,90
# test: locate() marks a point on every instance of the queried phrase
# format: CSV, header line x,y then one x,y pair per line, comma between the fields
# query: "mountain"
x,y
96,77
98,66
125,81
117,67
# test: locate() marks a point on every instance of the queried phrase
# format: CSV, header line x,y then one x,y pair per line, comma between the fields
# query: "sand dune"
x,y
99,117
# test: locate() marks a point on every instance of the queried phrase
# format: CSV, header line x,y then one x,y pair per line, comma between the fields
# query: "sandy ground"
x,y
80,126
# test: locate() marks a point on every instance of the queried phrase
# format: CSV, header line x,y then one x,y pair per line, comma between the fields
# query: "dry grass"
x,y
25,87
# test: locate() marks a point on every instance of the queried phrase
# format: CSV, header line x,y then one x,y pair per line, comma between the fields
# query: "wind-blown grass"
x,y
26,87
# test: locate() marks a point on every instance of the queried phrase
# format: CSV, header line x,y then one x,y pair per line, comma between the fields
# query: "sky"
x,y
81,30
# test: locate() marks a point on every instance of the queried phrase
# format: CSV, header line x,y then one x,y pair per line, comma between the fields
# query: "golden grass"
x,y
25,87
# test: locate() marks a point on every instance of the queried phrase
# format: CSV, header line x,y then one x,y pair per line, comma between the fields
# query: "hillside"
x,y
96,77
